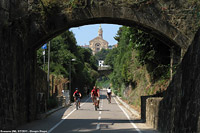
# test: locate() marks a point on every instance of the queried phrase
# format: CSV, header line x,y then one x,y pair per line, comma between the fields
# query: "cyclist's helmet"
x,y
76,88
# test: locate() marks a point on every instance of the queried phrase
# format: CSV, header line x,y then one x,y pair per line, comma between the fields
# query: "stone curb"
x,y
134,112
44,115
54,110
41,116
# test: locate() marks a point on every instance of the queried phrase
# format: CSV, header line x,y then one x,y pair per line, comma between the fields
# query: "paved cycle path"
x,y
110,117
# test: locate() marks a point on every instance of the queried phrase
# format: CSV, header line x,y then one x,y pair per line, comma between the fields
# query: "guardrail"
x,y
104,68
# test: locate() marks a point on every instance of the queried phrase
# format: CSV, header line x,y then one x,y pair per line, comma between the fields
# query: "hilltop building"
x,y
98,43
112,46
101,63
85,46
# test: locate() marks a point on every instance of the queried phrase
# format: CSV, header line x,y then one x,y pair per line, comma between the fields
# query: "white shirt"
x,y
109,90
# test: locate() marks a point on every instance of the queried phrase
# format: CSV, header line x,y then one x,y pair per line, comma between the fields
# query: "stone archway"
x,y
26,25
148,15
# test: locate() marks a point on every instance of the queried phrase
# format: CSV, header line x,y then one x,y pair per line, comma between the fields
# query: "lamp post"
x,y
48,73
70,76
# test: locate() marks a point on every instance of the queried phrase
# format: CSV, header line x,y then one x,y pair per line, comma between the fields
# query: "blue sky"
x,y
86,33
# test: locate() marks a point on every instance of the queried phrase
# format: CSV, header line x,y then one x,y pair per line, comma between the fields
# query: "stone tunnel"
x,y
27,24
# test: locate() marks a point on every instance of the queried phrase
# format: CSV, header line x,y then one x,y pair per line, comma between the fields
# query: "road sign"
x,y
44,46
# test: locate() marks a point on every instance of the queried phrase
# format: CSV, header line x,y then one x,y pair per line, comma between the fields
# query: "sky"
x,y
86,33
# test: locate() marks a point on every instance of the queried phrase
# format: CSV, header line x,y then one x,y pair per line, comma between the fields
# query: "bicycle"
x,y
109,98
77,103
96,102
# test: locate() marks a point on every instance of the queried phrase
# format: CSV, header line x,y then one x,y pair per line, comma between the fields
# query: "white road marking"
x,y
99,118
65,118
98,126
128,117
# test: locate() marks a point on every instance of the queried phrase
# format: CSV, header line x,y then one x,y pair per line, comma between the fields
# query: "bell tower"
x,y
100,32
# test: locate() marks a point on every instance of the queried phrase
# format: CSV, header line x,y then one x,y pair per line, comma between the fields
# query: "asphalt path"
x,y
110,117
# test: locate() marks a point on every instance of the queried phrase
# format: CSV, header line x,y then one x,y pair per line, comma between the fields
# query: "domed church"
x,y
98,43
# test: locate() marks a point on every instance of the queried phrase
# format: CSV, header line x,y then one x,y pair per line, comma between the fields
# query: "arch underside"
x,y
146,19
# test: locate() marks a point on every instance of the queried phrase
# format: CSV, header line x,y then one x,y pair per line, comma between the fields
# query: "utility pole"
x,y
44,59
44,47
70,81
48,70
70,76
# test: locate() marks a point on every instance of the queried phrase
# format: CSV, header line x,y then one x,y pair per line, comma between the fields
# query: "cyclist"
x,y
95,94
109,93
77,96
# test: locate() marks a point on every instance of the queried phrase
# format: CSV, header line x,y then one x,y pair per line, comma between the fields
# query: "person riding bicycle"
x,y
77,96
109,93
95,94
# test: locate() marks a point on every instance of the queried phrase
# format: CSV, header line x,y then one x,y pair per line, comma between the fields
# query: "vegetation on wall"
x,y
101,55
142,49
103,82
140,64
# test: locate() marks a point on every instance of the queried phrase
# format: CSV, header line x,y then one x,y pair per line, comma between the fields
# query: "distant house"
x,y
115,46
85,46
98,43
112,46
101,62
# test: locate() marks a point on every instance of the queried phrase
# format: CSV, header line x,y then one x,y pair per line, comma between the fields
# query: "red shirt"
x,y
77,94
94,92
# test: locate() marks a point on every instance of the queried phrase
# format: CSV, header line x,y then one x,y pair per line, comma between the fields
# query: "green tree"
x,y
138,48
63,50
111,56
101,55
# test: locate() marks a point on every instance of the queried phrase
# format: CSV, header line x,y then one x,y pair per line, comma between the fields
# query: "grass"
x,y
144,87
104,83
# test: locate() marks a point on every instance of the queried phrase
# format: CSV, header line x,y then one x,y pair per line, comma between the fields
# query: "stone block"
x,y
152,109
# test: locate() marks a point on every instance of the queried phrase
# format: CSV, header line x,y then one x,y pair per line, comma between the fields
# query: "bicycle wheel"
x,y
95,107
77,104
95,104
108,100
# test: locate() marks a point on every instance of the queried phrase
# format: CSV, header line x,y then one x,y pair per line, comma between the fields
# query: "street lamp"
x,y
48,91
70,74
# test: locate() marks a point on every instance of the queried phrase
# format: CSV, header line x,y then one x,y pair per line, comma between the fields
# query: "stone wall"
x,y
144,105
182,14
41,87
18,95
15,89
152,109
180,108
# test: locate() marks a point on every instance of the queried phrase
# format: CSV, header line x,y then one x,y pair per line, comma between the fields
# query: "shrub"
x,y
52,103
